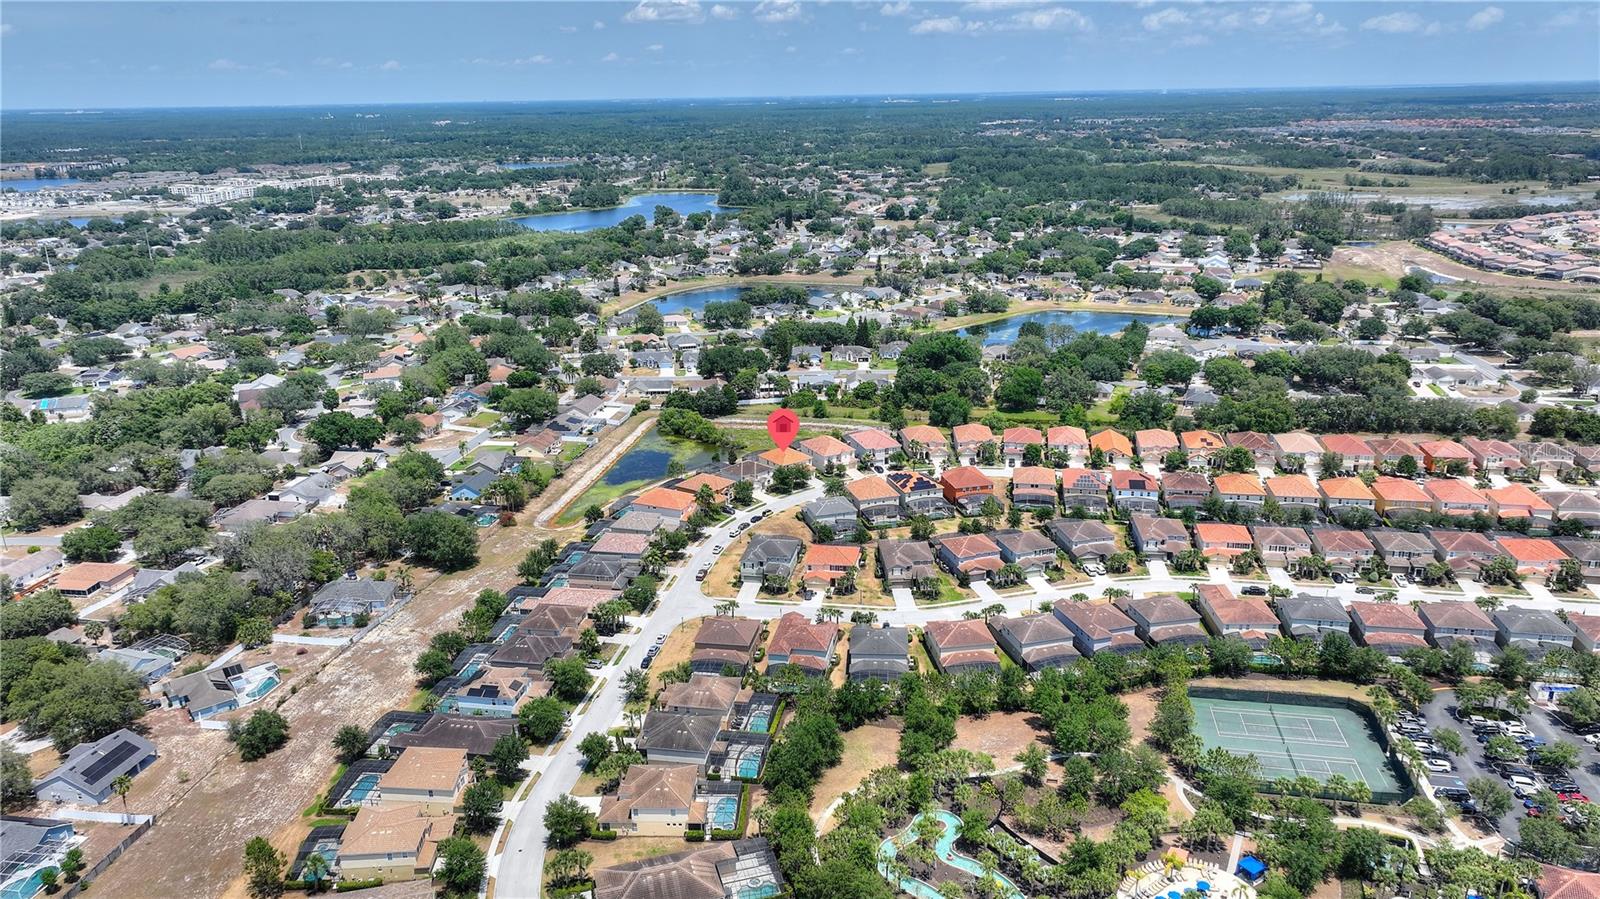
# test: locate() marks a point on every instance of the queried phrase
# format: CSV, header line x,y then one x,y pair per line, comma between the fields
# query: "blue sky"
x,y
122,54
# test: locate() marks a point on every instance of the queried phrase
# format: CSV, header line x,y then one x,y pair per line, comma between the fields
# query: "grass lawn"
x,y
482,419
949,594
1100,414
866,749
1437,390
838,365
572,451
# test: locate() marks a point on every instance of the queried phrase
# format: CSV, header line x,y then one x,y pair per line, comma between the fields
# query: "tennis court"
x,y
1291,739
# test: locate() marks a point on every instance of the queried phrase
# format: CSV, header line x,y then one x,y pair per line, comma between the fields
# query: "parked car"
x,y
1254,591
701,574
1365,590
646,663
717,550
1401,581
1438,765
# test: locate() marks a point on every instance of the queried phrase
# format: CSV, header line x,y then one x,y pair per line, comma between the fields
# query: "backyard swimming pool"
x,y
944,850
722,812
364,787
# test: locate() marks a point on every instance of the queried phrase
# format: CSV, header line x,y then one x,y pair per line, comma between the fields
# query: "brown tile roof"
x,y
796,632
1347,445
654,787
397,830
961,632
1386,615
871,488
966,477
84,575
972,433
426,768
727,632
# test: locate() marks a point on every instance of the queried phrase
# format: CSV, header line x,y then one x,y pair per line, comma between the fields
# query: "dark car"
x,y
1254,591
648,660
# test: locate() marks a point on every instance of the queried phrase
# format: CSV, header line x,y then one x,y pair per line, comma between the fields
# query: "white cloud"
x,y
687,11
390,65
994,5
610,57
774,11
941,25
5,29
723,12
226,65
656,48
598,25
1166,18
901,8
790,49
1052,18
1484,18
568,29
1395,23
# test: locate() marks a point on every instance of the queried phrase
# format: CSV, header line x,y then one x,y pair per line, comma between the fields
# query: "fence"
x,y
105,861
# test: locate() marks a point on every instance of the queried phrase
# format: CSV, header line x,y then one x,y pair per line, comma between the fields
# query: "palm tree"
x,y
403,579
315,871
121,786
726,607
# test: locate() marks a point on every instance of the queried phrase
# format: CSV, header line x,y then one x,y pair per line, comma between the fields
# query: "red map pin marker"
x,y
782,426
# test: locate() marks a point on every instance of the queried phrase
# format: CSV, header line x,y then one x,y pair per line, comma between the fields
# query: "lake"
x,y
1006,330
695,300
648,459
29,185
643,204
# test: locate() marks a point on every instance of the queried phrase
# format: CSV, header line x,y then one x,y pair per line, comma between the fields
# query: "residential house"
x,y
966,488
1347,551
1085,488
1014,443
1439,456
825,563
798,641
1585,631
900,562
1029,550
1453,496
1035,641
1072,441
1535,556
88,774
1339,494
1574,505
392,844
973,555
872,446
1457,621
430,779
1388,451
666,502
1389,627
1098,627
31,569
1114,445
1155,537
497,691
780,457
1201,446
1135,491
1517,501
961,645
770,556
1404,552
88,579
678,738
835,512
1185,489
721,488
1465,552
1164,620
150,666
1085,540
1492,456
1355,453
874,499
1294,492
1260,445
477,734
1541,459
1296,450
725,644
824,451
1536,631
879,653
339,603
726,868
655,800
1313,616
970,439
1248,618
1398,496
1222,541
1033,487
923,443
1153,444
1243,490
1587,553
1281,545
702,693
919,495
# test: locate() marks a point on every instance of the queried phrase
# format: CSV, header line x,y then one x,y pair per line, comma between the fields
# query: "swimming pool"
x,y
758,722
750,766
263,688
944,850
23,889
722,812
364,787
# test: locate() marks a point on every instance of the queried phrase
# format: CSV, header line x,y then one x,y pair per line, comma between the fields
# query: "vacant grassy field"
x,y
866,749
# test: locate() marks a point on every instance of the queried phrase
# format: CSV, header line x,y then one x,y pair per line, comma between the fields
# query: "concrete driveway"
x,y
748,591
986,593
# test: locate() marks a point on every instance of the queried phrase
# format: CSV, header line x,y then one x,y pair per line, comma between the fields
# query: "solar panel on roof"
x,y
109,762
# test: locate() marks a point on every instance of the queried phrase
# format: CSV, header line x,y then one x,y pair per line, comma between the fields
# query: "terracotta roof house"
x,y
966,488
1586,551
879,653
1493,456
1247,617
973,555
1357,454
1437,454
1346,493
715,871
1574,505
797,640
919,494
778,458
1185,489
1566,883
1390,450
1014,442
665,502
769,555
721,487
1260,445
1457,621
1537,631
1114,444
393,844
1067,439
1281,545
970,440
961,645
1402,551
1239,489
1085,488
872,445
824,451
1312,616
1034,486
1156,538
1453,496
1201,445
1517,501
1035,641
725,643
655,800
1135,491
1348,551
1153,443
1535,556
1466,552
827,562
703,693
428,778
900,562
1164,619
1222,541
874,499
1098,627
923,443
1398,496
1296,449
87,579
1585,631
1541,459
1085,540
1389,627
1294,491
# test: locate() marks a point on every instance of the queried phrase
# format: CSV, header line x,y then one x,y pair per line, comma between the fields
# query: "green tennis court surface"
x,y
1291,740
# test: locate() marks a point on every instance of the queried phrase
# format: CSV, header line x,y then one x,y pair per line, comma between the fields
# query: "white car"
x,y
716,550
1400,581
1521,784
1592,739
1439,766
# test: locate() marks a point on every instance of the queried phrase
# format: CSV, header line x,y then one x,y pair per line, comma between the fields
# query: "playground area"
x,y
1298,737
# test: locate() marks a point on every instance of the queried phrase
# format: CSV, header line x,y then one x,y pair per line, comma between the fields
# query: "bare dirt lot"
x,y
1000,734
866,749
1395,258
